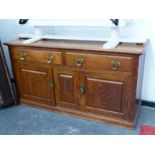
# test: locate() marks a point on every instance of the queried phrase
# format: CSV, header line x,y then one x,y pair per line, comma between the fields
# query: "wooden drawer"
x,y
97,61
41,56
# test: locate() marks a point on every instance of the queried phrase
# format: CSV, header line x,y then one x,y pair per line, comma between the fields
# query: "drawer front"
x,y
41,56
97,61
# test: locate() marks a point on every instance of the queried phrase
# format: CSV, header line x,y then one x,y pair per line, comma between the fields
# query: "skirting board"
x,y
148,104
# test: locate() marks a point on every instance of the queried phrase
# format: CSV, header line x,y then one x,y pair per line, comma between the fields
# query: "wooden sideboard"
x,y
80,78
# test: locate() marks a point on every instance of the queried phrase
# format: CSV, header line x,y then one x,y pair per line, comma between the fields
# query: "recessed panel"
x,y
67,88
104,94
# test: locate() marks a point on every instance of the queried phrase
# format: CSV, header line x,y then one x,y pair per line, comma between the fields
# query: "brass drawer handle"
x,y
115,65
51,84
22,56
79,61
82,89
49,58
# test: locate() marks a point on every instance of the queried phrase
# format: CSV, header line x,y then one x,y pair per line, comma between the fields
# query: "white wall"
x,y
148,92
9,29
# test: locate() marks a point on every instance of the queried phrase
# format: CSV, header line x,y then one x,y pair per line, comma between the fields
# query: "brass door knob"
x,y
115,65
22,56
51,84
82,89
79,61
49,58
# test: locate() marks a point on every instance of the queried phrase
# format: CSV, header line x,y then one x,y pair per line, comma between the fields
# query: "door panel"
x,y
106,93
66,81
33,83
67,88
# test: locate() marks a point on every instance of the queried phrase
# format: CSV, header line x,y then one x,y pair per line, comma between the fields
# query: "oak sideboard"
x,y
80,78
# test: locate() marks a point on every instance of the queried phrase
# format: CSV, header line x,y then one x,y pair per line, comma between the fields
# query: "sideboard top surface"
x,y
128,48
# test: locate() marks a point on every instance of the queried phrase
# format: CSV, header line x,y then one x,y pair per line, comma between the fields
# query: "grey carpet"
x,y
25,120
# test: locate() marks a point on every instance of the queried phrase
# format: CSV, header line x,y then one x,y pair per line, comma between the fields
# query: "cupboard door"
x,y
35,83
66,83
106,93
